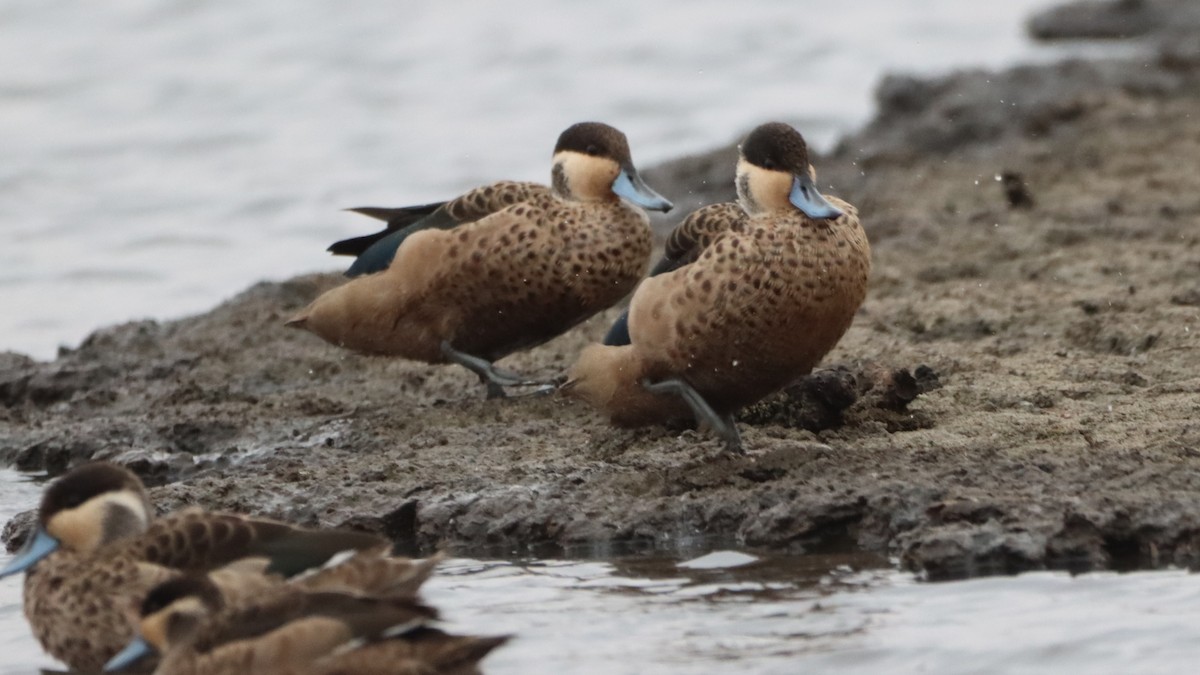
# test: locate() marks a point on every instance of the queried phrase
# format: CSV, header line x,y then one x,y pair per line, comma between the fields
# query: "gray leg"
x,y
494,378
722,425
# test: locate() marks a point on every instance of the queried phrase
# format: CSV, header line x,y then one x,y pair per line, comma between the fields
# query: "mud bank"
x,y
1048,322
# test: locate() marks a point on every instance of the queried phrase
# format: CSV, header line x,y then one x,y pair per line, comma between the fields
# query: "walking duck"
x,y
740,312
307,634
503,268
96,547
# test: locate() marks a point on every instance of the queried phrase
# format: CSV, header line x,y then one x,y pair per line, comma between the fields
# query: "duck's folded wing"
x,y
402,223
397,218
200,541
684,245
249,618
689,239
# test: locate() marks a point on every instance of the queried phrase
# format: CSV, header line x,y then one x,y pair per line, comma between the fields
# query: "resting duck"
x,y
745,304
504,267
96,548
315,633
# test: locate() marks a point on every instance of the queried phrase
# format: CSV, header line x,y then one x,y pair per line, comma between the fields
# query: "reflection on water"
x,y
705,611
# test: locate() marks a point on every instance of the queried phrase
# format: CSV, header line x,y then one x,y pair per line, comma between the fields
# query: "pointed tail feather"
x,y
396,219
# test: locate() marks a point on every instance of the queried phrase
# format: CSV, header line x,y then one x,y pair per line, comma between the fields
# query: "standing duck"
x,y
746,310
96,547
521,266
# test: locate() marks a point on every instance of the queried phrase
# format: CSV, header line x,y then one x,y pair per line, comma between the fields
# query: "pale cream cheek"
x,y
768,190
82,528
587,177
154,628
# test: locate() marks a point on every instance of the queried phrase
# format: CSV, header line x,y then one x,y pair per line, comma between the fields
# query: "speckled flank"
x,y
759,308
529,274
750,297
511,280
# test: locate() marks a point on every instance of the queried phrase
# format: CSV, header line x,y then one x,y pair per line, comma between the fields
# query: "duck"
x,y
96,546
366,573
306,634
744,304
502,277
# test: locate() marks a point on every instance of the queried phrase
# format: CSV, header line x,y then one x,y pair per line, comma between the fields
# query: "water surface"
x,y
751,612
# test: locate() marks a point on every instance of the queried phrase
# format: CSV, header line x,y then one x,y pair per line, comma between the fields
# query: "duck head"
x,y
171,614
774,173
87,507
592,163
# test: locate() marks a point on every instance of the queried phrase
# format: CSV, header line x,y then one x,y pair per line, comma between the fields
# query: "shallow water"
x,y
737,612
162,155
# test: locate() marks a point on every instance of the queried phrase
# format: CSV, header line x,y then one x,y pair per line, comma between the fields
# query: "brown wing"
x,y
280,606
415,652
696,233
373,573
489,199
524,274
199,541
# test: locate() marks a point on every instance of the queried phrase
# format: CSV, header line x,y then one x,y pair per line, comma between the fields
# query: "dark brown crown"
x,y
778,147
596,139
86,482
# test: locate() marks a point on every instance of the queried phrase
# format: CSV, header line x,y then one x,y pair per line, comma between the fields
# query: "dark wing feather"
x,y
379,254
396,219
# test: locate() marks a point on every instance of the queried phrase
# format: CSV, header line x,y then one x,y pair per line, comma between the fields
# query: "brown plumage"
x,y
306,634
374,252
512,279
700,229
764,300
109,551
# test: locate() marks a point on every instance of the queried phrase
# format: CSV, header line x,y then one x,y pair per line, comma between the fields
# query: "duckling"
x,y
757,306
96,546
314,633
511,279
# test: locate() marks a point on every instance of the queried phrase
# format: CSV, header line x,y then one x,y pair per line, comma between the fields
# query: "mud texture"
x,y
1021,389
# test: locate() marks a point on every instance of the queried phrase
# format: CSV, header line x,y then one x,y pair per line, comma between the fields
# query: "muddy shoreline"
x,y
1048,324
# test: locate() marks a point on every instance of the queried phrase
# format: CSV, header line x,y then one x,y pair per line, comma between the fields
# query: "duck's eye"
x,y
768,164
592,150
72,500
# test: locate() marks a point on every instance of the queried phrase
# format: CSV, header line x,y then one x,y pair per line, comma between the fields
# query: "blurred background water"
x,y
157,156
